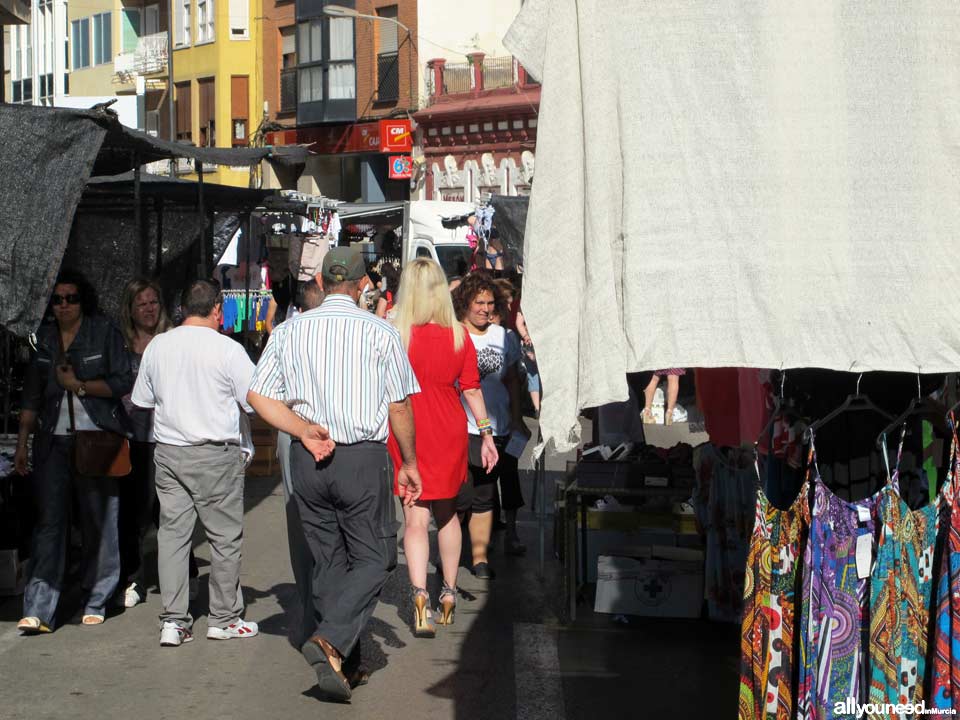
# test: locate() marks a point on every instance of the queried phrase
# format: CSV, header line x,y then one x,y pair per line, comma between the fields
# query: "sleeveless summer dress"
x,y
945,686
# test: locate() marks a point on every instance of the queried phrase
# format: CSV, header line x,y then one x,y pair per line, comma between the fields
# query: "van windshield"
x,y
454,259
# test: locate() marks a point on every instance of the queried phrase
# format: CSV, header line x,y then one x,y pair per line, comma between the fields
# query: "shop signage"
x,y
395,136
401,167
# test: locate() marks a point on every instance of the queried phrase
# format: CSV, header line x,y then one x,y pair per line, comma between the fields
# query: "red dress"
x,y
438,416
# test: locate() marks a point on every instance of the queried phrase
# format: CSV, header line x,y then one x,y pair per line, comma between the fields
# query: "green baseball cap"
x,y
342,264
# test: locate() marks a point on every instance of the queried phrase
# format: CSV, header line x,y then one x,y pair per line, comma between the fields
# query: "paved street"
x,y
505,657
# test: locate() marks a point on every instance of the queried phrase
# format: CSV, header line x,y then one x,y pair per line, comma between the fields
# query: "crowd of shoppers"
x,y
419,400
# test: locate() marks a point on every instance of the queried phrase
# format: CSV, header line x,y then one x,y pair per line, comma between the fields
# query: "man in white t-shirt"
x,y
193,378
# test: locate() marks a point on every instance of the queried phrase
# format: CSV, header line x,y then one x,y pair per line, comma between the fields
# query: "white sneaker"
x,y
173,635
132,596
237,629
194,588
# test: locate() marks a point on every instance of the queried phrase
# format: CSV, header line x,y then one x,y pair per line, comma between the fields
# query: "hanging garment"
x,y
900,587
769,610
725,505
834,596
793,195
945,685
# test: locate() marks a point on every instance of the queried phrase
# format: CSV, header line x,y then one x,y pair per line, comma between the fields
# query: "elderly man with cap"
x,y
344,370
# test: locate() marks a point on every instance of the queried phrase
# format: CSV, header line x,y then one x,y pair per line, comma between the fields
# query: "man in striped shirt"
x,y
333,378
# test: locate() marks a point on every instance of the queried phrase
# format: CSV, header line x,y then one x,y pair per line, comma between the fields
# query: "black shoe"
x,y
483,571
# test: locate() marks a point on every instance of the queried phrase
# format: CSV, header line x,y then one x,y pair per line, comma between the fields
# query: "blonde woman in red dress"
x,y
445,363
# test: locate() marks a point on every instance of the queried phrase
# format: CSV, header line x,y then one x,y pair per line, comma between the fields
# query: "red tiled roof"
x,y
488,103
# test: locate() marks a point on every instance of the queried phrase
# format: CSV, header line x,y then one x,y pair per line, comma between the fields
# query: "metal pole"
x,y
138,215
540,478
203,219
170,108
246,237
158,262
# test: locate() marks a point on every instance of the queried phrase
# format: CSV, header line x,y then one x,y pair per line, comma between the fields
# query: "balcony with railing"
x,y
478,75
149,58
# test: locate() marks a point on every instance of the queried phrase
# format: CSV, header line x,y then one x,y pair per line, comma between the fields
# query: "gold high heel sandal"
x,y
448,604
424,625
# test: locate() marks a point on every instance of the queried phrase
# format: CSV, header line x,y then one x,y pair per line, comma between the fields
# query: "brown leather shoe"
x,y
327,664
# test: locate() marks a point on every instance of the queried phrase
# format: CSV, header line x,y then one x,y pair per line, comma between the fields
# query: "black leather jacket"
x,y
97,353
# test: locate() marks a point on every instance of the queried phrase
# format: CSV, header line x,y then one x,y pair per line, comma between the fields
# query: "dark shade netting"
x,y
510,220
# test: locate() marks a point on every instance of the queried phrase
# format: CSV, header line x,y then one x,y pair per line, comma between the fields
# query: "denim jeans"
x,y
97,503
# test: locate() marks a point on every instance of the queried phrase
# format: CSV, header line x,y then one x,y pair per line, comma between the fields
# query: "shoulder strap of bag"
x,y
63,359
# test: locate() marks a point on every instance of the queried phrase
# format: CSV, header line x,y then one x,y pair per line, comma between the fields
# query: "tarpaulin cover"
x,y
739,184
45,160
510,220
46,157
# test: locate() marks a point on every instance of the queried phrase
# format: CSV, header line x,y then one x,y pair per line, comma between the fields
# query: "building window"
x,y
129,30
151,20
208,112
239,19
17,91
240,109
102,39
388,56
183,112
205,21
182,22
310,43
343,85
80,35
311,84
288,72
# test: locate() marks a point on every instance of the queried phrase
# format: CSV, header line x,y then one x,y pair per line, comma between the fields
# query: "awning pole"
x,y
247,235
138,215
203,219
158,263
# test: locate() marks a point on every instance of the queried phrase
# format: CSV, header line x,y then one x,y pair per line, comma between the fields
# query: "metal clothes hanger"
x,y
778,405
916,406
854,403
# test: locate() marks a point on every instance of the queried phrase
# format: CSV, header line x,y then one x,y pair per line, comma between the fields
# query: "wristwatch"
x,y
82,390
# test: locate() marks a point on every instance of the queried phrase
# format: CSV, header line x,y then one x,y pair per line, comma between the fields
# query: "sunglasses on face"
x,y
71,299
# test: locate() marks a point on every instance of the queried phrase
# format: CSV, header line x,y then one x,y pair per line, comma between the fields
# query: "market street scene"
x,y
516,359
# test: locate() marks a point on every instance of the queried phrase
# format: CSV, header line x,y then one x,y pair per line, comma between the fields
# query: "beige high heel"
x,y
448,604
424,625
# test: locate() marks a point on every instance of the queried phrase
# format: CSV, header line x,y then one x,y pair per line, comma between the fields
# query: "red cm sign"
x,y
395,136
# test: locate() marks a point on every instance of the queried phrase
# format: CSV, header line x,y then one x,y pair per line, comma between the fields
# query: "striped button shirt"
x,y
337,366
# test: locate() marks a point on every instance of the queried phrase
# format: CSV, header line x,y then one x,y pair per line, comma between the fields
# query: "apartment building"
x,y
12,14
361,81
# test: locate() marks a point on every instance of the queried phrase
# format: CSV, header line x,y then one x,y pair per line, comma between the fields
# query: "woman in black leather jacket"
x,y
81,354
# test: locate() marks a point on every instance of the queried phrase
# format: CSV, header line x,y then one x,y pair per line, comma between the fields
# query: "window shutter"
x,y
239,20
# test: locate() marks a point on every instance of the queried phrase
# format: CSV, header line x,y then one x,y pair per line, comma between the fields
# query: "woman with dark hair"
x,y
76,378
389,285
498,352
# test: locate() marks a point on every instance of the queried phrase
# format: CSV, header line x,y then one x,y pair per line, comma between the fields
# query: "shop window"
x,y
239,108
208,129
184,113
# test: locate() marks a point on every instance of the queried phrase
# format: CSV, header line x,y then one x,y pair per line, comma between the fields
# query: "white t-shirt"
x,y
81,420
497,351
193,378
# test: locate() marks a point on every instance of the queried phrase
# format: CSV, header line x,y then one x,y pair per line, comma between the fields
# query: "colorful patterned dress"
x,y
945,688
833,601
900,588
766,640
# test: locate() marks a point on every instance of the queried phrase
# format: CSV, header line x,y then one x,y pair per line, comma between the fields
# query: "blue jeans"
x,y
97,503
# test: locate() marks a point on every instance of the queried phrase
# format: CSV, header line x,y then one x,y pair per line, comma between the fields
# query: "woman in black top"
x,y
80,361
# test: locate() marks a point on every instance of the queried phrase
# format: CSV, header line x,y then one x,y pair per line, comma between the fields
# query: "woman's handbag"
x,y
99,453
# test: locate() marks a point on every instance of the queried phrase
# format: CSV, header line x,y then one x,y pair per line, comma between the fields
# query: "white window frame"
x,y
80,31
182,10
101,26
206,21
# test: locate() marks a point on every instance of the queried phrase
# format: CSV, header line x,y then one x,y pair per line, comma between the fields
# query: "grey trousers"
x,y
303,623
350,522
204,481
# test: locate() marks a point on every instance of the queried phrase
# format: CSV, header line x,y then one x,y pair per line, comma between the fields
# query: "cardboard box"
x,y
617,542
651,581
